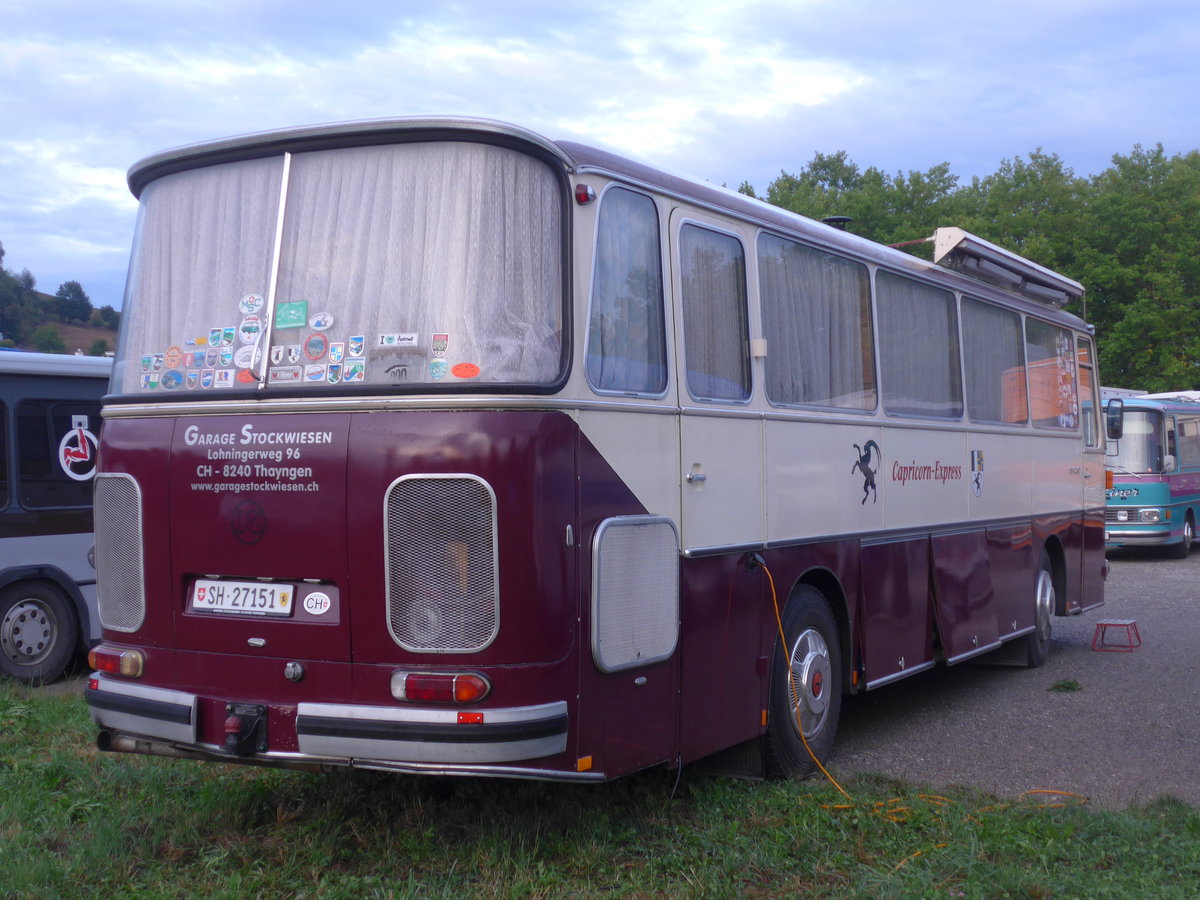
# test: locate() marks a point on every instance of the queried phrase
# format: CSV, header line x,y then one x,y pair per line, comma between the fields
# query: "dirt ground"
x,y
1129,734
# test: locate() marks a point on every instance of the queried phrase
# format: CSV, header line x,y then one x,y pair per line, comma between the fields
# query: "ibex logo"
x,y
249,522
866,454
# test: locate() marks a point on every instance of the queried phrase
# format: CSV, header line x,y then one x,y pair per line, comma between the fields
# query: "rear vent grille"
x,y
441,563
120,591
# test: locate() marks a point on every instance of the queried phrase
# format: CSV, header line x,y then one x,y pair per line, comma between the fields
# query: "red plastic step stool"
x,y
1132,637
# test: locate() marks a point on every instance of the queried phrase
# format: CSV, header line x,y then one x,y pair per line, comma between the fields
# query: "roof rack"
x,y
964,252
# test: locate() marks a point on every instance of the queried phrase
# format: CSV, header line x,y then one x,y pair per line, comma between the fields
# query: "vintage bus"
x,y
437,446
49,427
1154,500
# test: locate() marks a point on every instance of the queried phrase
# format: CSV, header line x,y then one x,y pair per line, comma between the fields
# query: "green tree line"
x,y
26,315
1130,235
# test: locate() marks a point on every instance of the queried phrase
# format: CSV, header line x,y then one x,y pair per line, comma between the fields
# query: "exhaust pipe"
x,y
108,742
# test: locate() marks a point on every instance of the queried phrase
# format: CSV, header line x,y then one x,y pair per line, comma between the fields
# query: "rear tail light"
x,y
440,687
129,663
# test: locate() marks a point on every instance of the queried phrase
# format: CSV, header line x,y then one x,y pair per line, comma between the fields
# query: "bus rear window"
x,y
413,265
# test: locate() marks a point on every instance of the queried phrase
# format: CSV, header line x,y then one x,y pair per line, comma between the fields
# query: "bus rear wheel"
x,y
806,688
38,632
1037,643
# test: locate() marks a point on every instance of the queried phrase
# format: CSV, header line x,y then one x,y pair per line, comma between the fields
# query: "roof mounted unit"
x,y
964,252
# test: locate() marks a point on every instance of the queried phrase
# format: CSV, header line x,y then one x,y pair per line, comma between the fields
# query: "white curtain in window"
x,y
995,363
918,348
626,340
816,311
716,340
400,242
203,242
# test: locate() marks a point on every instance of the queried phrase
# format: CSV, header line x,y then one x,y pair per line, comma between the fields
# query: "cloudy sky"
x,y
723,90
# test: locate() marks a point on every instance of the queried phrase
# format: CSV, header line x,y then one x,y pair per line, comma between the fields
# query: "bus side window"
x,y
1187,440
816,310
715,327
41,425
627,347
996,375
916,315
1089,394
3,454
1053,392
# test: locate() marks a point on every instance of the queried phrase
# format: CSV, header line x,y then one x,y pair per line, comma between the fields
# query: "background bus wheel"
x,y
1184,547
1038,642
38,632
816,704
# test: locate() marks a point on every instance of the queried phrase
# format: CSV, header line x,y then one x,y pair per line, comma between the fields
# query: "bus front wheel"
x,y
38,632
806,687
1184,547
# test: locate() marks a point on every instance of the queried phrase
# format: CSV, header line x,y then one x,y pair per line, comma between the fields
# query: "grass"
x,y
78,823
1065,686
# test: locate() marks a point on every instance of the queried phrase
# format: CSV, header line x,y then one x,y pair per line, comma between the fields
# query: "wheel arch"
x,y
1058,572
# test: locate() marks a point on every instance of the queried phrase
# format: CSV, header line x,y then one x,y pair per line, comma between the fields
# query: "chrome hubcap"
x,y
1043,605
27,632
811,680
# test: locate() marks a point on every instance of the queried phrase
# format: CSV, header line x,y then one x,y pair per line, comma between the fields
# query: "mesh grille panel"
x,y
120,595
441,564
635,592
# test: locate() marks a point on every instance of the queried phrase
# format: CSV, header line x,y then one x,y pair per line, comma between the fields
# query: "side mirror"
x,y
1114,419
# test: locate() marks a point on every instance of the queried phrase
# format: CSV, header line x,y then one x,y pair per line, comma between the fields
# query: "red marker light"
x,y
584,194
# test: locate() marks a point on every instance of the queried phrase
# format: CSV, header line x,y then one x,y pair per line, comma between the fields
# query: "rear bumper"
x,y
139,718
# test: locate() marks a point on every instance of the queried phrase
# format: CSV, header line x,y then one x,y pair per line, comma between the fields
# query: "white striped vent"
x,y
635,592
443,594
120,576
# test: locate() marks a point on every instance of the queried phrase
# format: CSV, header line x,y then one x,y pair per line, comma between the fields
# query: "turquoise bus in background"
x,y
1154,500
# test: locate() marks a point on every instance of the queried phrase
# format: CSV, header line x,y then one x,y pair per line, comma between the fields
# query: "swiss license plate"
x,y
243,598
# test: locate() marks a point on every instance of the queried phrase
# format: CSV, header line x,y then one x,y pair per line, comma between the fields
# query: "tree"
x,y
73,304
1142,267
20,310
882,207
107,317
99,347
46,340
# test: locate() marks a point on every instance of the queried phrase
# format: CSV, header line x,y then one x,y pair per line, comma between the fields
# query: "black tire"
x,y
1184,547
816,661
1037,643
38,632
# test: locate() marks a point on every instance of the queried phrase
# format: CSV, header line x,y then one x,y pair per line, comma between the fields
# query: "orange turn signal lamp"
x,y
129,663
439,687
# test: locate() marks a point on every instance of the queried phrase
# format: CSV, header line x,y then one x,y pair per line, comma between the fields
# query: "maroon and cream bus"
x,y
437,446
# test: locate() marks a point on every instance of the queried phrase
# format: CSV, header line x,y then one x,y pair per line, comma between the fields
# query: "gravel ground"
x,y
1130,734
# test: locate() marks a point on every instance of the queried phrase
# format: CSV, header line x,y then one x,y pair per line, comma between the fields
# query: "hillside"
x,y
81,337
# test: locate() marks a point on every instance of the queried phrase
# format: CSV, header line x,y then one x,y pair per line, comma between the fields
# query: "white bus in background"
x,y
49,431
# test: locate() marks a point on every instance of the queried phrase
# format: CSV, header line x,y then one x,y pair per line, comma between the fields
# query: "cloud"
x,y
731,91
